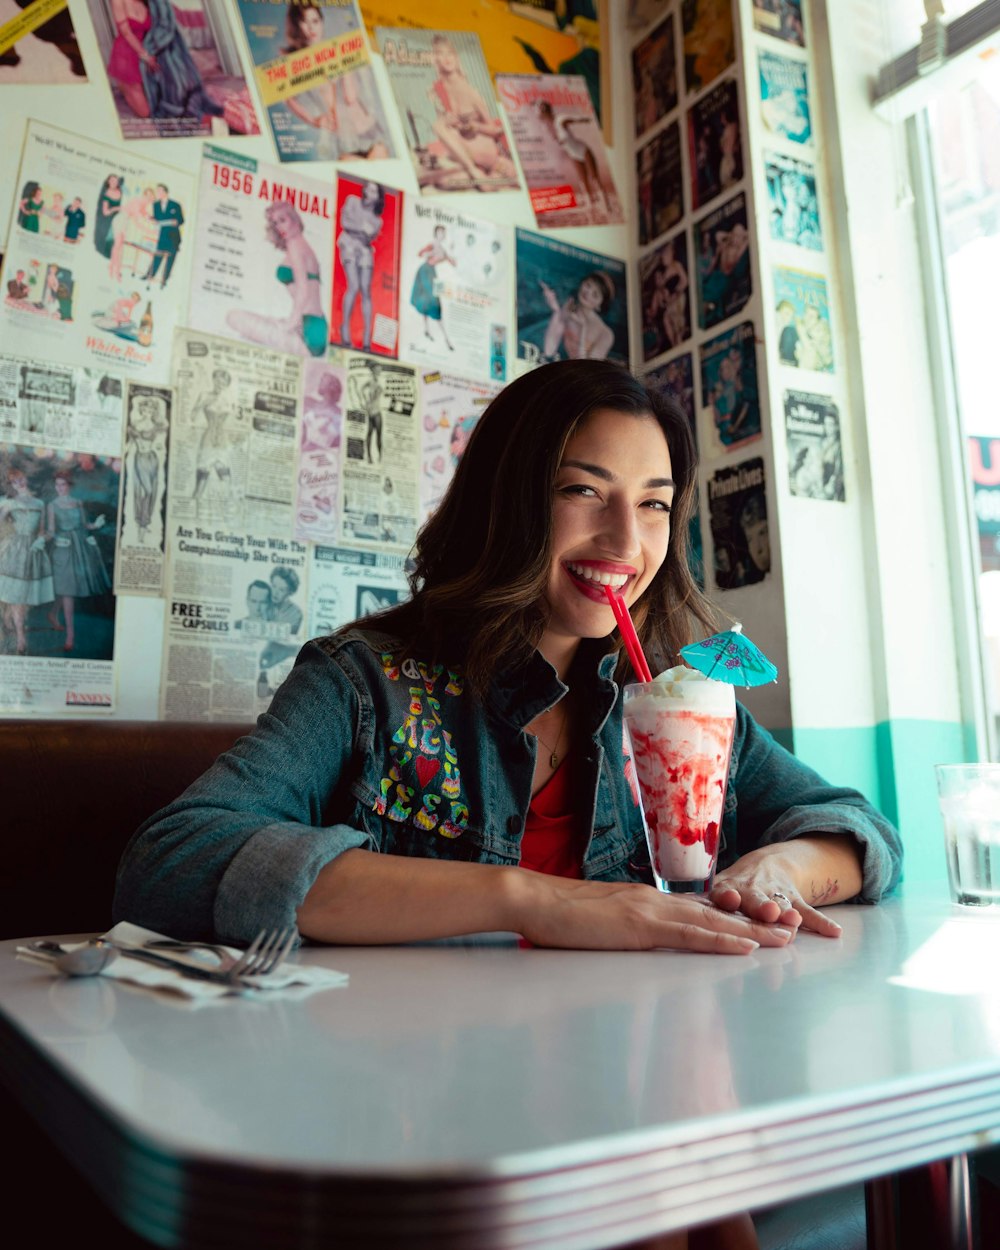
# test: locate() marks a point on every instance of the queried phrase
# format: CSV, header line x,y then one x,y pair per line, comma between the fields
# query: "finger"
x,y
815,922
692,937
726,896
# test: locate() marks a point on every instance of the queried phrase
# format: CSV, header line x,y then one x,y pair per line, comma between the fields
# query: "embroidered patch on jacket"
x,y
421,751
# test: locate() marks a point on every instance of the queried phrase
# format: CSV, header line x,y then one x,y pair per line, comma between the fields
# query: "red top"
x,y
551,841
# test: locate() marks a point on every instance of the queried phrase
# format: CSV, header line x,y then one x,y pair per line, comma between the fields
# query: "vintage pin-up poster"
x,y
722,245
676,379
317,496
802,314
793,207
784,97
571,303
262,254
450,407
660,183
38,43
315,80
97,260
448,109
174,68
666,303
729,391
815,453
709,46
737,504
561,151
140,562
654,76
366,259
781,18
543,37
455,281
715,150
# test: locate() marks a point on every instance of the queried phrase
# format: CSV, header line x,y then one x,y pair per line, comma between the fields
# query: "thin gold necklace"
x,y
554,751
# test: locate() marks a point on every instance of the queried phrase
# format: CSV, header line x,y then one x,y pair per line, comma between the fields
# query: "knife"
x,y
53,949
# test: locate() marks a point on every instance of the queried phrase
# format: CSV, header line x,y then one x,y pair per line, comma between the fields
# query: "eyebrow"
x,y
607,476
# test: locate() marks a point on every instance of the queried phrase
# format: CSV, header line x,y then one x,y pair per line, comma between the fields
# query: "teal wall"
x,y
892,764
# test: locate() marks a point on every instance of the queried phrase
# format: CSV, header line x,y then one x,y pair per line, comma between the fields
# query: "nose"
x,y
619,533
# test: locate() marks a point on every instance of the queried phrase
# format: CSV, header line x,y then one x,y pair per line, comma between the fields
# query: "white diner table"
x,y
486,1095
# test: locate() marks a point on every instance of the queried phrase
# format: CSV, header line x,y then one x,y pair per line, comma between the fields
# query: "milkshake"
x,y
680,729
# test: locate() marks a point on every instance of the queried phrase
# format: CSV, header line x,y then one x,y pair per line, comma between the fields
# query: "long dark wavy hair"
x,y
482,560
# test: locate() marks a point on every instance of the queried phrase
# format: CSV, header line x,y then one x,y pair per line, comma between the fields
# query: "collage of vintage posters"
x,y
802,315
542,37
366,260
380,449
730,393
64,406
737,504
38,43
781,18
571,303
660,183
317,494
455,279
346,584
784,97
722,246
315,80
561,150
793,206
666,298
96,267
450,406
141,553
654,76
448,106
263,255
714,148
709,46
178,74
815,453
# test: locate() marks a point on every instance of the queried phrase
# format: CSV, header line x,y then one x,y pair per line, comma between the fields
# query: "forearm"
x,y
827,867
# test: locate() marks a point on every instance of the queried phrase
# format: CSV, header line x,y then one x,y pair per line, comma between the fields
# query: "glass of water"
x,y
969,797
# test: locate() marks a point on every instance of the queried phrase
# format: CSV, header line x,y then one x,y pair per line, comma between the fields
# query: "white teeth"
x,y
614,580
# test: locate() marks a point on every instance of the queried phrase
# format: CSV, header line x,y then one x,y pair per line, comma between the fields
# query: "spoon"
x,y
84,961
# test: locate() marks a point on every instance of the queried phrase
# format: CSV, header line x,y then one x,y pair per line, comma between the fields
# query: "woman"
x,y
134,225
77,567
216,445
172,84
304,331
29,209
423,296
109,202
129,55
360,226
467,131
576,326
146,426
580,156
25,571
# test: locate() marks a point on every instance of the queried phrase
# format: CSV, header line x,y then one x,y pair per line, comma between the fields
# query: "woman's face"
x,y
62,486
114,182
311,25
755,532
18,483
285,221
610,520
445,57
280,589
369,194
590,294
220,379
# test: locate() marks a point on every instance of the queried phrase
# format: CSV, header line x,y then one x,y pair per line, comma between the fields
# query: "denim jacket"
x,y
358,749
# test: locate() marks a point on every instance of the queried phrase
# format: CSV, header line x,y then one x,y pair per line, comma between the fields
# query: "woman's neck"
x,y
560,653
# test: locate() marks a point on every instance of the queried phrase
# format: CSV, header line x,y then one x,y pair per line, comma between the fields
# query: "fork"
x,y
266,952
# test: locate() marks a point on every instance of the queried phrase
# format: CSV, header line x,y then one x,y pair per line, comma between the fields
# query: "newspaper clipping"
x,y
250,214
140,558
233,449
451,407
95,265
317,495
346,584
380,449
815,454
60,405
456,290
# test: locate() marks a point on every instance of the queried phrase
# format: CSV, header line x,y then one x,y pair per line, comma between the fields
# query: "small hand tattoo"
x,y
824,894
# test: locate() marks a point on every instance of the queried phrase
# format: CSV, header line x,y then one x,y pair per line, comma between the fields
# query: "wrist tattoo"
x,y
824,893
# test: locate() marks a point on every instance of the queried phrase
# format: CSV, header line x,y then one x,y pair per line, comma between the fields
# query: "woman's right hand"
x,y
549,295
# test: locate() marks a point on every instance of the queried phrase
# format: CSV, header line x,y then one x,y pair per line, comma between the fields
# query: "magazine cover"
x,y
781,18
815,454
543,37
660,184
802,311
455,278
791,195
722,243
175,72
709,47
714,147
729,392
451,407
366,260
96,263
561,151
676,379
654,76
784,97
448,109
315,80
262,255
737,506
38,43
666,305
571,303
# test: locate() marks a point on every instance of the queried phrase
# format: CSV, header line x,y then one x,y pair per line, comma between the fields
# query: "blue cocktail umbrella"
x,y
731,657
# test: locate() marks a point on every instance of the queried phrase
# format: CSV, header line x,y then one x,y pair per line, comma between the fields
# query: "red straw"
x,y
629,636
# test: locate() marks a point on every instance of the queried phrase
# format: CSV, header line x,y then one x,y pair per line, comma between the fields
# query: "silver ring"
x,y
782,898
